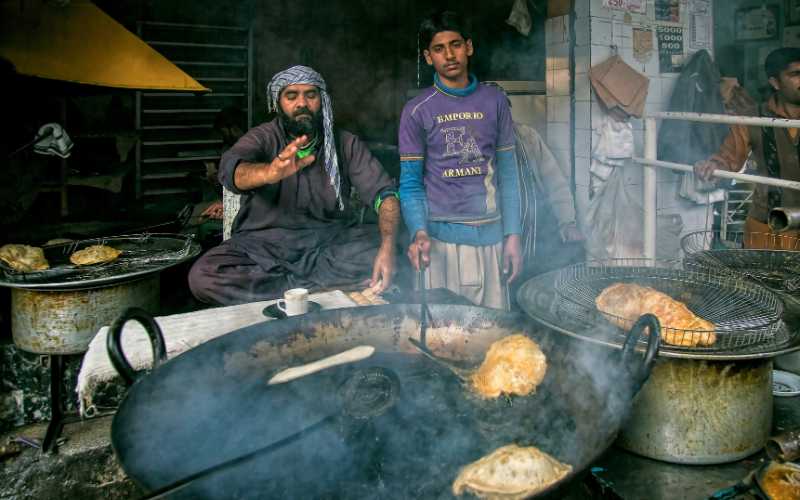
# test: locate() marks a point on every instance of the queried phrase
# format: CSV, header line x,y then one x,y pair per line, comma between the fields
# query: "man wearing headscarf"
x,y
296,225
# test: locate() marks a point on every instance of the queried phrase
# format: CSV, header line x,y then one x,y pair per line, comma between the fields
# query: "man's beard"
x,y
302,122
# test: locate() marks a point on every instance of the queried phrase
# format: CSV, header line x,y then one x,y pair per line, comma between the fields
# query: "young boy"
x,y
459,190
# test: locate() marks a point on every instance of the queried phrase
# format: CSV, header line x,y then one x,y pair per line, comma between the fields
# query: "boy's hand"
x,y
420,247
512,257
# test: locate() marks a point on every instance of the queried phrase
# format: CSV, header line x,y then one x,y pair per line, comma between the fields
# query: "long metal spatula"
x,y
349,356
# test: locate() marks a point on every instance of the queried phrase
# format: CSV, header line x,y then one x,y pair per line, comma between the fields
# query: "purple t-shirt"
x,y
457,138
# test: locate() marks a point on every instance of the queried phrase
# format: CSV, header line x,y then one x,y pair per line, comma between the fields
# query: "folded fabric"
x,y
520,17
619,87
612,149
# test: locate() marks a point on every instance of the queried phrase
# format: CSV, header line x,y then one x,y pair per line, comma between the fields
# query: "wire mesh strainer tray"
x,y
743,313
141,254
777,269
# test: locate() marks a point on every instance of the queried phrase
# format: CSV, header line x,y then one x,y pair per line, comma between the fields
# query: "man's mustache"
x,y
302,111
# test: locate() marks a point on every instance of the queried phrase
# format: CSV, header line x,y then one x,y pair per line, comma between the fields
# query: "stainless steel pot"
x,y
701,412
65,321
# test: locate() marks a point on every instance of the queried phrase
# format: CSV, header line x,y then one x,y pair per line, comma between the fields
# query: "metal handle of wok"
x,y
642,373
114,344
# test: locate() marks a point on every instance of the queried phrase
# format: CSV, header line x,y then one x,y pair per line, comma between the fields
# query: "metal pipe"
x,y
756,179
649,185
784,447
726,119
782,219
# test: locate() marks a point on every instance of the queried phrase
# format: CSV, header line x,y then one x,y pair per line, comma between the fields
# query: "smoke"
x,y
212,405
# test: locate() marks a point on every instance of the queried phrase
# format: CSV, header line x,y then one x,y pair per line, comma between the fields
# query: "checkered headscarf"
x,y
306,75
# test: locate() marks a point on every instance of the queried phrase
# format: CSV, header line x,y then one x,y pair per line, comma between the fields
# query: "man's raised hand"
x,y
287,163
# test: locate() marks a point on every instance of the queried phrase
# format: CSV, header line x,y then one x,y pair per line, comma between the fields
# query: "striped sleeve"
x,y
505,125
411,136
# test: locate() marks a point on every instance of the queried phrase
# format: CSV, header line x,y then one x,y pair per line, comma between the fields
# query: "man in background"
x,y
775,151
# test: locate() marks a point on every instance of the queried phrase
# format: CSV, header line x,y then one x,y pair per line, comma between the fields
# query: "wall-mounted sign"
x,y
668,10
670,48
756,23
637,6
792,11
791,36
642,44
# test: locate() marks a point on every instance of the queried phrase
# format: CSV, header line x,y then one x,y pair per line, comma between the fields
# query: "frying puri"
x,y
510,472
513,365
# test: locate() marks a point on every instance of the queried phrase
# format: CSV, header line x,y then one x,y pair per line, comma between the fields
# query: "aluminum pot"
x,y
701,412
65,321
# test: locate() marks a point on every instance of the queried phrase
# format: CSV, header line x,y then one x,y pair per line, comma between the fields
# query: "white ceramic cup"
x,y
294,302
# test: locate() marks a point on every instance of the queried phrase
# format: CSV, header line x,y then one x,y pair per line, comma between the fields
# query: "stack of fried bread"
x,y
24,258
624,303
367,297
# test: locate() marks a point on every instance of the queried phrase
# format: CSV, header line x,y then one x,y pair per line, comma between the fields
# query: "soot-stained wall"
x,y
366,50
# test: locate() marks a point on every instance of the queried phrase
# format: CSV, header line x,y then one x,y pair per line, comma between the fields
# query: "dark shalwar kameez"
x,y
292,234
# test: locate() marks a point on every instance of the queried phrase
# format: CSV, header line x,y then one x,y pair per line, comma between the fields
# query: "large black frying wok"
x,y
395,425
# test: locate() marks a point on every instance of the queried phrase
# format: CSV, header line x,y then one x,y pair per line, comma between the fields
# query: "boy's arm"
x,y
508,184
413,199
414,205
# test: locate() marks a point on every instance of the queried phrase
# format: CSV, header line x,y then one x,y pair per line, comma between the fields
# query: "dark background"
x,y
365,49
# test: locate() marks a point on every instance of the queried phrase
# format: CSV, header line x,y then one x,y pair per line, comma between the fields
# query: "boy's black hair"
x,y
780,59
439,21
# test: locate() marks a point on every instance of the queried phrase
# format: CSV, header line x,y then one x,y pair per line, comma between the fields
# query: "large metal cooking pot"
x,y
65,321
701,411
309,439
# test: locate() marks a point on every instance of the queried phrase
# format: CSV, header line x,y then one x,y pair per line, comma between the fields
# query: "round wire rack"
x,y
772,260
141,254
743,313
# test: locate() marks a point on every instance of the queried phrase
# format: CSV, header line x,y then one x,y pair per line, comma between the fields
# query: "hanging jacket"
x,y
543,178
697,91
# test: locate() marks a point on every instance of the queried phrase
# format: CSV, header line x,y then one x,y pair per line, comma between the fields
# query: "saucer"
x,y
785,383
273,312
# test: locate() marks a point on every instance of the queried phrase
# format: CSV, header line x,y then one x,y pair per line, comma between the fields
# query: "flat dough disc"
x,y
94,254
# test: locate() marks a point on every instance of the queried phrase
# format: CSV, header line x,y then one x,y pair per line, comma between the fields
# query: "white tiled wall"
x,y
597,29
558,87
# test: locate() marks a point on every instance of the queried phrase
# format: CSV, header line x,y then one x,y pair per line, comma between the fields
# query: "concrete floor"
x,y
83,468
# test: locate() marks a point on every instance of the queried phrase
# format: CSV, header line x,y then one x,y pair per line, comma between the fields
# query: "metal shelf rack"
x,y
176,128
